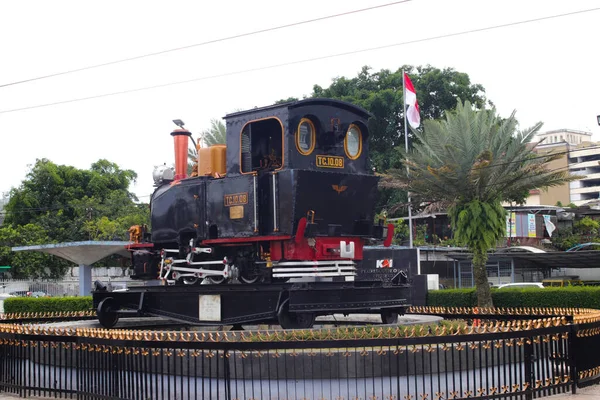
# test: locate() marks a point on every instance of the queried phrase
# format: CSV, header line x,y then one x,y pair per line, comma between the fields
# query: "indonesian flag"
x,y
410,100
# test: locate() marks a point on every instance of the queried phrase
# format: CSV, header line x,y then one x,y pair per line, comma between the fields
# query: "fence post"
x,y
529,374
226,374
572,359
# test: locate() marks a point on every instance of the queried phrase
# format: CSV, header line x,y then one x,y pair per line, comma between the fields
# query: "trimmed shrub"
x,y
47,304
575,296
452,298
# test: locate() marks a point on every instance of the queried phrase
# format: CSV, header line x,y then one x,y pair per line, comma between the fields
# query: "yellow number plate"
x,y
330,162
235,199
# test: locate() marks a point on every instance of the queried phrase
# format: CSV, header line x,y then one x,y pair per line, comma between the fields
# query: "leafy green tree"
x,y
586,230
28,264
69,204
471,162
380,93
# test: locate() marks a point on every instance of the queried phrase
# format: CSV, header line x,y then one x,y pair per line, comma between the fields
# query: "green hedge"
x,y
47,304
452,298
577,296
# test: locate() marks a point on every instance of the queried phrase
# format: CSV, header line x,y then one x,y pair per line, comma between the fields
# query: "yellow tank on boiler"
x,y
212,160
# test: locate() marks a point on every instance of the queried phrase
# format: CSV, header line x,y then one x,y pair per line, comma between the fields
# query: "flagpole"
x,y
410,228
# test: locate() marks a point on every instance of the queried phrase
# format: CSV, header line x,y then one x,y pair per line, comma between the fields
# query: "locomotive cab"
x,y
315,153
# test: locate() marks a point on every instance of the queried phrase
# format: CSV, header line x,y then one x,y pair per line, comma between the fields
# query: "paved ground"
x,y
588,393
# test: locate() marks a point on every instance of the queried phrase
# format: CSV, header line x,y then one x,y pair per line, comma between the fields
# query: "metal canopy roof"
x,y
80,253
556,259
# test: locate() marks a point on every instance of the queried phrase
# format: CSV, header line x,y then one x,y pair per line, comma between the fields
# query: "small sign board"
x,y
236,212
209,307
385,263
235,199
330,161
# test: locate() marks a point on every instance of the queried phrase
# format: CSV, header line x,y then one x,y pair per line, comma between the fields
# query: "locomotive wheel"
x,y
249,280
216,279
249,275
292,320
389,317
107,315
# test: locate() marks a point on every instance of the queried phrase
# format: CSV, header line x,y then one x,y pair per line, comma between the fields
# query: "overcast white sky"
x,y
546,70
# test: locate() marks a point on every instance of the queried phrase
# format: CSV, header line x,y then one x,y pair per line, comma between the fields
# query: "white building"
x,y
569,136
3,201
584,161
581,157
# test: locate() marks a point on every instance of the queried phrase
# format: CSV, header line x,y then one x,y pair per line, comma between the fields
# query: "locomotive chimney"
x,y
181,137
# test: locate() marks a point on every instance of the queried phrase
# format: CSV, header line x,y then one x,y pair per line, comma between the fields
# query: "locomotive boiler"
x,y
290,195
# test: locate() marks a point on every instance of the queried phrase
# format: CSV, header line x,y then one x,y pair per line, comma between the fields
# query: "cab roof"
x,y
315,101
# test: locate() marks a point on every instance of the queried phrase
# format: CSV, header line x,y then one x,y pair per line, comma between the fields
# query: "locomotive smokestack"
x,y
181,137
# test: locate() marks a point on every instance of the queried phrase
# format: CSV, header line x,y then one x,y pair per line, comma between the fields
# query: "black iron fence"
x,y
514,359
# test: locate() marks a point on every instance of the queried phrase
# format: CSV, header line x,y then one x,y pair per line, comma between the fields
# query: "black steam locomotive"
x,y
290,195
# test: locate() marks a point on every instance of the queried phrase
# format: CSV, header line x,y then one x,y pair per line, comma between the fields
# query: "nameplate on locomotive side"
x,y
330,161
235,199
236,212
209,307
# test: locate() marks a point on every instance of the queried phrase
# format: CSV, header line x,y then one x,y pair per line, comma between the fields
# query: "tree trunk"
x,y
482,287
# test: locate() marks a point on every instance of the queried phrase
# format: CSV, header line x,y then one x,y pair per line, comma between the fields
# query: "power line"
x,y
307,60
241,35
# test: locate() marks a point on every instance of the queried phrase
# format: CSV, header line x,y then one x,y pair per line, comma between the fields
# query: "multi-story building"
x,y
584,161
568,136
581,157
3,200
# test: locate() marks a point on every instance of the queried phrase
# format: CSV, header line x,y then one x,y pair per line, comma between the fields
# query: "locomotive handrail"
x,y
275,226
255,202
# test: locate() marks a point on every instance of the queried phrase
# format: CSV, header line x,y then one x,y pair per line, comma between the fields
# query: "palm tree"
x,y
192,160
216,133
470,163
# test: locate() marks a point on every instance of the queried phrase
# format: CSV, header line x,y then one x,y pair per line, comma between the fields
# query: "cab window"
x,y
353,142
261,145
305,136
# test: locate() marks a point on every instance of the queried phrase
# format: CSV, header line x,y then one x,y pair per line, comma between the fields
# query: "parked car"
x,y
21,293
521,285
28,293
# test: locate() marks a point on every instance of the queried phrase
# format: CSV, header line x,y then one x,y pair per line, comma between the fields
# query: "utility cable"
x,y
223,39
431,38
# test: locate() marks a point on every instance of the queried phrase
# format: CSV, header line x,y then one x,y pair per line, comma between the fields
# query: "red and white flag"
x,y
410,100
